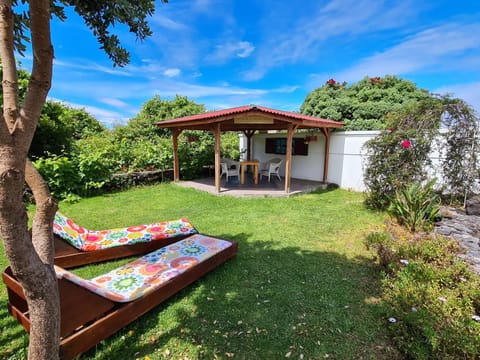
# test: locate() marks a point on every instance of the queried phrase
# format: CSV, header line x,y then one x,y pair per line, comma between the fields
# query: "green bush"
x,y
416,207
363,105
383,245
149,155
60,174
431,297
195,150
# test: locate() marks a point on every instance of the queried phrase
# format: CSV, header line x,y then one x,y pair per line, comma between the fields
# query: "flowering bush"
x,y
335,84
399,156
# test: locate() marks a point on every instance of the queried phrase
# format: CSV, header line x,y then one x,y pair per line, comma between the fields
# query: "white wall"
x,y
345,160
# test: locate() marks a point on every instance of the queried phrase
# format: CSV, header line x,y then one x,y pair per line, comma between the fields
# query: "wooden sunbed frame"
x,y
87,318
67,256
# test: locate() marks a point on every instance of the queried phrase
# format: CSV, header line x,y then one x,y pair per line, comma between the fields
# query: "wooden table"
x,y
243,165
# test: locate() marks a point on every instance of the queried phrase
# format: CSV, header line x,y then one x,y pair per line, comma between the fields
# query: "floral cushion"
x,y
151,271
90,240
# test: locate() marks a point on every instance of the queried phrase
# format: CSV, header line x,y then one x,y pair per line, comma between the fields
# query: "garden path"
x,y
466,229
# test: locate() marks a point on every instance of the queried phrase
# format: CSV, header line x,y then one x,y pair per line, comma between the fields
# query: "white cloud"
x,y
286,89
84,64
196,91
338,21
202,6
171,72
254,74
244,49
108,118
115,103
229,50
117,94
430,50
167,23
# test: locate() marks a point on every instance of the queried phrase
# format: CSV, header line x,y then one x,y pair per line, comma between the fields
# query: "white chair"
x,y
272,168
228,172
231,164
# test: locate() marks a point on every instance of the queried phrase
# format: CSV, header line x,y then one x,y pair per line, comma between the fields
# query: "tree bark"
x,y
30,254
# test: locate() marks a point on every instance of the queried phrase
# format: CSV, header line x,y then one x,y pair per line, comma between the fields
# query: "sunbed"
x,y
76,245
92,310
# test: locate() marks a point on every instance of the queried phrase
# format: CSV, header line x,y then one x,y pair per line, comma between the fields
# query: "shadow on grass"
x,y
330,187
268,302
13,339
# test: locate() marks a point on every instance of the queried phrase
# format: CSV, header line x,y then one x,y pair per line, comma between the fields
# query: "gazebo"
x,y
249,119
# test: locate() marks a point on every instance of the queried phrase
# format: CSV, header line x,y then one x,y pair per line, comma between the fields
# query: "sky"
x,y
227,53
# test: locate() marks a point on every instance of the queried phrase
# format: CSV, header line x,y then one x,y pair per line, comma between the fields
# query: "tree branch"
x,y
10,80
40,80
45,211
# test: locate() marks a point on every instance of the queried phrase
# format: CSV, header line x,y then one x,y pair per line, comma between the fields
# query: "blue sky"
x,y
270,53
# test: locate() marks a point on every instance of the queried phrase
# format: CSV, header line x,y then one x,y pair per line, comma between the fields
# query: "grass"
x,y
301,286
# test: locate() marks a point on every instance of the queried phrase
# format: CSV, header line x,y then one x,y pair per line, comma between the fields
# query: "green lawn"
x,y
301,286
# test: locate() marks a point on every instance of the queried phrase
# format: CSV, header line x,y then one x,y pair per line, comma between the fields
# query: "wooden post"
x,y
176,166
249,134
288,157
326,132
216,133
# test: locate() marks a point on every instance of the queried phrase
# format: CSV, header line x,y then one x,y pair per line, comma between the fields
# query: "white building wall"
x,y
303,167
346,158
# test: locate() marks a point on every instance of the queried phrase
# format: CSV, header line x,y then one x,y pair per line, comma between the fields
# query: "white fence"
x,y
346,158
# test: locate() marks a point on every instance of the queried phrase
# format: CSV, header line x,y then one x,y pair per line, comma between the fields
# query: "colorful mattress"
x,y
91,240
151,271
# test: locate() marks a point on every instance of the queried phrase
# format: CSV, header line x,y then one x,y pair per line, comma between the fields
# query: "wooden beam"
x,y
249,134
326,132
176,164
216,133
288,157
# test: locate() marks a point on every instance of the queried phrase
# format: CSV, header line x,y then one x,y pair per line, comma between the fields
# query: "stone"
x,y
472,206
466,230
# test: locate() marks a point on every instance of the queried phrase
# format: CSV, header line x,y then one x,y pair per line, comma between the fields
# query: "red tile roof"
x,y
228,113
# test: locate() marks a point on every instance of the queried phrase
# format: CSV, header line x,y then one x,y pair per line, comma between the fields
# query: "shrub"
x,y
460,163
416,207
60,174
149,155
94,162
383,245
399,156
431,296
193,155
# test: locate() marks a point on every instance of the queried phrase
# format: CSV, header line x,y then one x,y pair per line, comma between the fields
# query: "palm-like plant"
x,y
416,207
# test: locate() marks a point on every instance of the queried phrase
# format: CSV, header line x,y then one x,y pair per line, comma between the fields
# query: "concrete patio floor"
x,y
274,188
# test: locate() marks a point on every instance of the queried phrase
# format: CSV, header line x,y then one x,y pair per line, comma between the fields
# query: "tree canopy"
x,y
59,126
155,110
363,105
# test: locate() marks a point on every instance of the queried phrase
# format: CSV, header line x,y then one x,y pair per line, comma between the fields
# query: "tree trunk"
x,y
30,254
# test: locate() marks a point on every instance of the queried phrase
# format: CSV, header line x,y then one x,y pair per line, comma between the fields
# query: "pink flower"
x,y
390,129
331,82
406,144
